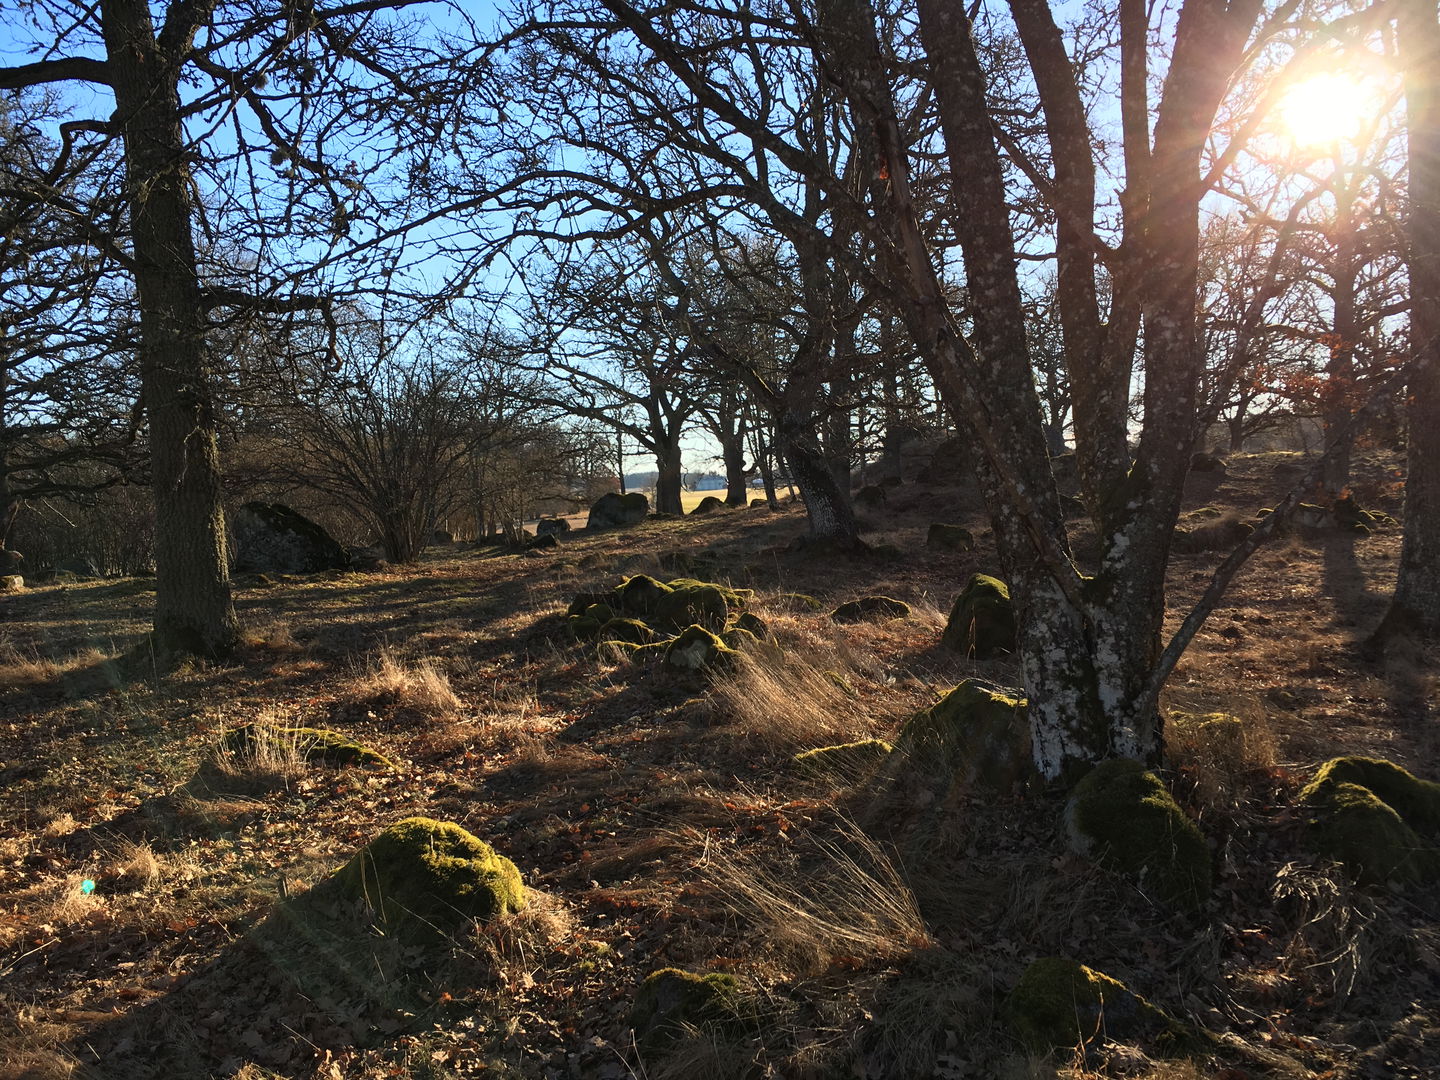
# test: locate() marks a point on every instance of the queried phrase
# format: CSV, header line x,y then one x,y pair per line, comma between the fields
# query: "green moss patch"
x,y
639,594
847,761
312,744
583,627
982,622
1122,816
978,734
1059,1004
425,876
693,603
870,607
632,631
1379,820
670,1001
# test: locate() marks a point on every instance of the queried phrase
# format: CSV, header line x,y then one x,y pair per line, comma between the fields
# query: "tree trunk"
x,y
1416,604
193,609
737,477
831,517
668,481
1338,402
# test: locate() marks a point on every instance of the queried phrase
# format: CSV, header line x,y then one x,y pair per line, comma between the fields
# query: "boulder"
x,y
552,527
1377,819
708,505
982,622
1223,534
759,504
978,734
442,536
1207,463
870,607
422,876
692,603
272,538
871,496
949,537
1121,816
82,566
695,650
615,511
630,631
12,583
547,542
1059,1004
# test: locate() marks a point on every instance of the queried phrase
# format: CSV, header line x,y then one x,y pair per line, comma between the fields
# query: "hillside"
x,y
874,923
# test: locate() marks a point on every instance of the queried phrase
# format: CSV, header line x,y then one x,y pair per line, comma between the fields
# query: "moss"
x,y
688,604
737,637
628,630
1376,818
847,760
1059,1004
582,627
638,595
601,613
949,537
735,598
585,600
978,734
982,622
670,1000
748,620
870,607
696,649
421,873
313,744
1121,815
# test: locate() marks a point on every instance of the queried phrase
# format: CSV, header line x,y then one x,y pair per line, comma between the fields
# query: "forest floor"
x,y
661,824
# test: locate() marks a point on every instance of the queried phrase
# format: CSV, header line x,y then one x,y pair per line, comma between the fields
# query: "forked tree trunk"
x,y
193,609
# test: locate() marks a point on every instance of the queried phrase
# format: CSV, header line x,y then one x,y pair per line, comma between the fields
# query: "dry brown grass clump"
x,y
1219,752
801,696
270,757
843,900
418,685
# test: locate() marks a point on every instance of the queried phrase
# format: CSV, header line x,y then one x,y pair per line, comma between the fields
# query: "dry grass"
x,y
418,685
269,758
796,698
1219,752
844,901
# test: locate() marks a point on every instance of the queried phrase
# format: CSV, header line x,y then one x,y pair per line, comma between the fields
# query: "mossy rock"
x,y
978,734
949,537
583,627
601,613
312,744
430,876
982,622
1377,819
1123,817
748,620
1060,1004
695,650
670,1002
632,631
870,607
735,598
639,594
708,505
848,761
689,604
586,600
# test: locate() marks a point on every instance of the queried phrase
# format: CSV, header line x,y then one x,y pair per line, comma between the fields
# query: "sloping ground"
x,y
876,926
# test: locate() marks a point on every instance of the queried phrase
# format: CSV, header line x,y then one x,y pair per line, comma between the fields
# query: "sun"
x,y
1329,107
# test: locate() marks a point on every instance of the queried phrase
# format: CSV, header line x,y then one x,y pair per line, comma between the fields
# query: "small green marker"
x,y
87,886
